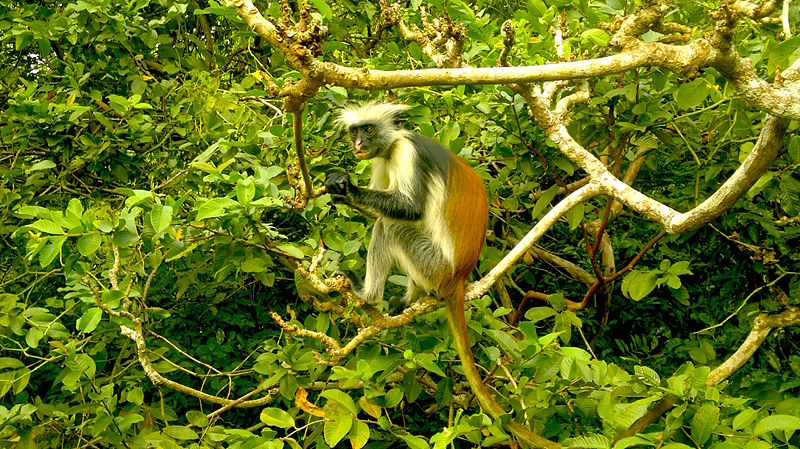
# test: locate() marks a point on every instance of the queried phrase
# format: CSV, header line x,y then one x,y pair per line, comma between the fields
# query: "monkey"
x,y
432,215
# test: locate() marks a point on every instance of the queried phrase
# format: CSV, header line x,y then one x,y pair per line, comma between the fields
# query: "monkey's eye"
x,y
368,130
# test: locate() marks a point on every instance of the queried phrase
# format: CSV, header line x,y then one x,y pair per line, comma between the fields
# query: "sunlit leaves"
x,y
90,319
89,243
214,207
336,429
692,94
639,284
777,423
46,226
276,417
703,423
160,217
341,398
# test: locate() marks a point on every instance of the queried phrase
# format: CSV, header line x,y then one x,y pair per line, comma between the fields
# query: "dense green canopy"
x,y
167,266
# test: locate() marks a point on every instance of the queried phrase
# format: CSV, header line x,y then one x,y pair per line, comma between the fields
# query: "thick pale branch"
x,y
762,155
433,35
755,10
574,271
764,152
264,28
157,379
478,288
782,100
762,326
380,322
778,99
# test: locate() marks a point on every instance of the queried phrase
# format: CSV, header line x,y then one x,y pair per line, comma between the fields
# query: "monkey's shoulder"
x,y
432,153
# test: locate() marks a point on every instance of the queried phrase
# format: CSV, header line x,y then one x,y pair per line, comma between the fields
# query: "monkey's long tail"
x,y
458,327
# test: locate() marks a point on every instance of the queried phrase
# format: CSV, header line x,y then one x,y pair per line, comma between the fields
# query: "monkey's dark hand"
x,y
338,185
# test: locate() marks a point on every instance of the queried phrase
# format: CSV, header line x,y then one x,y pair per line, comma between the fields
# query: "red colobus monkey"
x,y
432,214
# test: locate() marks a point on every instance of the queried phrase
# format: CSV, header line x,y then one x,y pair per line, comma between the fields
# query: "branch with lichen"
x,y
364,313
781,98
297,174
441,40
762,326
134,329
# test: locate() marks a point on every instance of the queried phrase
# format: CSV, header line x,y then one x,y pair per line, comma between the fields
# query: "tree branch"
x,y
478,288
762,326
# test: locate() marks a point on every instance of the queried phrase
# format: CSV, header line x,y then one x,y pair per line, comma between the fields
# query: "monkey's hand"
x,y
338,185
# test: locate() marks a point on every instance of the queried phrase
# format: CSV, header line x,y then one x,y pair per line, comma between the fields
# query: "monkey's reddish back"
x,y
467,212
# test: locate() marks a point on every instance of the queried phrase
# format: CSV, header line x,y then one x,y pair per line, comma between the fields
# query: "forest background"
x,y
168,257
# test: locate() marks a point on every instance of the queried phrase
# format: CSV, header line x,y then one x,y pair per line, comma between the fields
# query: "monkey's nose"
x,y
358,144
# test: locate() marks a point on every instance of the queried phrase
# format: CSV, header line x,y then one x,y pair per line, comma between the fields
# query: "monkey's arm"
x,y
385,203
390,204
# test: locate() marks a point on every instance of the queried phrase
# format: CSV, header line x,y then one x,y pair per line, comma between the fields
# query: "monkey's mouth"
x,y
361,154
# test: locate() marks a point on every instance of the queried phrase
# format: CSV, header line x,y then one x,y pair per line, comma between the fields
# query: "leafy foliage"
x,y
144,167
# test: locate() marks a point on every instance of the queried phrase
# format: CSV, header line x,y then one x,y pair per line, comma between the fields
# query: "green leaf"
x,y
323,8
639,284
544,201
33,336
136,396
276,417
428,361
6,382
292,250
634,441
504,339
22,377
32,211
89,320
138,197
196,418
777,422
596,36
350,247
395,395
245,191
77,113
337,429
9,362
760,184
744,418
692,94
214,208
649,375
181,432
341,398
359,435
704,422
415,442
594,441
645,141
51,250
537,314
444,391
75,209
160,217
254,265
41,165
46,226
88,244
574,216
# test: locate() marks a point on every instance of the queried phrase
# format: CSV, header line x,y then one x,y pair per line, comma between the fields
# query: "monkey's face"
x,y
366,144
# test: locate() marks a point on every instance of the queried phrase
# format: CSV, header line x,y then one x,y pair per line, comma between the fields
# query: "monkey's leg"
x,y
379,263
421,259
